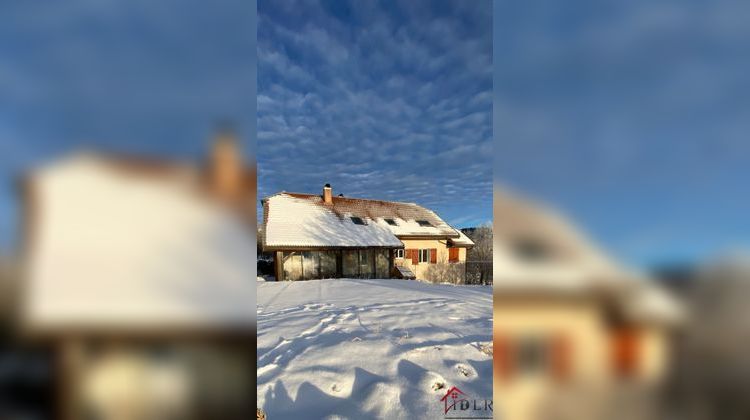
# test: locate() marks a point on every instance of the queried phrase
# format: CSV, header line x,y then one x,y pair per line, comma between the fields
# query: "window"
x,y
358,220
424,255
327,264
382,264
366,264
350,263
424,223
548,355
399,253
310,265
531,249
391,222
531,355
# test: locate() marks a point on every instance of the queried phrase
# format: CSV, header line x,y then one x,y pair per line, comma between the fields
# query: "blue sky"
x,y
632,118
140,76
382,99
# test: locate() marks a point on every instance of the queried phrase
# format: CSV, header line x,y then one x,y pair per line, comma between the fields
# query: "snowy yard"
x,y
360,349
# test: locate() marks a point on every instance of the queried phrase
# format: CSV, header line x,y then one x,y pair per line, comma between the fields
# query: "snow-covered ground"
x,y
360,349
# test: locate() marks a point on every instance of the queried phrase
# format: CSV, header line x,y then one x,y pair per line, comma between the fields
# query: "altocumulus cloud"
x,y
383,100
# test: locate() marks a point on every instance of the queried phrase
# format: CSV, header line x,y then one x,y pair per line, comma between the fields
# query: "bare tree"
x,y
712,366
479,257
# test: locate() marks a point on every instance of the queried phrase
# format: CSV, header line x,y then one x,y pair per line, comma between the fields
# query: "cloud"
x,y
382,102
138,76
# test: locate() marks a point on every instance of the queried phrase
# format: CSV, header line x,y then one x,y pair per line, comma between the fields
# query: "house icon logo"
x,y
461,406
452,397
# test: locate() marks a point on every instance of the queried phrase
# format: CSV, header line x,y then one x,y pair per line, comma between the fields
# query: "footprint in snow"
x,y
433,380
485,348
465,370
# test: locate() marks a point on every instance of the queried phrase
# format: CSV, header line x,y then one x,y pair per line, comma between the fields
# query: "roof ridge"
x,y
348,198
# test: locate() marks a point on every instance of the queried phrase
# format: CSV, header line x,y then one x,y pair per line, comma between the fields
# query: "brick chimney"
x,y
225,170
327,194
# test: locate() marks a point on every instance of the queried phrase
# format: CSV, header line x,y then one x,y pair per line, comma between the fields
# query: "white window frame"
x,y
399,253
424,256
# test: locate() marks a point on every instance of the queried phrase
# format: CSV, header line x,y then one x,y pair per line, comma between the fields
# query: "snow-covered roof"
x,y
112,249
305,220
462,240
560,250
648,302
536,250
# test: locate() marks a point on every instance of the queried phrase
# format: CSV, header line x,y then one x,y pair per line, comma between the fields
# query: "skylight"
x,y
424,223
390,222
531,249
358,220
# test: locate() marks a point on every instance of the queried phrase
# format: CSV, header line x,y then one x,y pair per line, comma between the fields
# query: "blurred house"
x,y
140,274
323,236
712,370
575,335
8,285
27,385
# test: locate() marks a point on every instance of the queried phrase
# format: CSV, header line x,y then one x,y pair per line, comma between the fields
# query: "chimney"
x,y
225,170
327,194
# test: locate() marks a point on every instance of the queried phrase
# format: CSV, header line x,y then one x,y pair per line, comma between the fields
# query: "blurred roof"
x,y
110,248
536,250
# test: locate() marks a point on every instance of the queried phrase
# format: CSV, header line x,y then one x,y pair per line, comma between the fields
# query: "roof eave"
x,y
273,248
425,236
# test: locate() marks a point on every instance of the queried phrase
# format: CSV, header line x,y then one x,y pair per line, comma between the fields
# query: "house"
x,y
139,274
322,236
573,331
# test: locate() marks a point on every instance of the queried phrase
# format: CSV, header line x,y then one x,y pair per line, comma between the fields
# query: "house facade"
x,y
576,336
138,274
325,236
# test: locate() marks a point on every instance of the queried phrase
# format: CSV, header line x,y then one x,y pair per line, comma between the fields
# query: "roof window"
x,y
424,223
531,249
391,222
358,220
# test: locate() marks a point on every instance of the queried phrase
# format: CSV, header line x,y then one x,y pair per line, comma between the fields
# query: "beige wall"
x,y
520,397
190,380
442,254
655,353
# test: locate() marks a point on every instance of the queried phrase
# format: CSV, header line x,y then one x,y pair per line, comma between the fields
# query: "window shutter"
x,y
561,357
453,255
625,352
503,356
414,256
433,255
